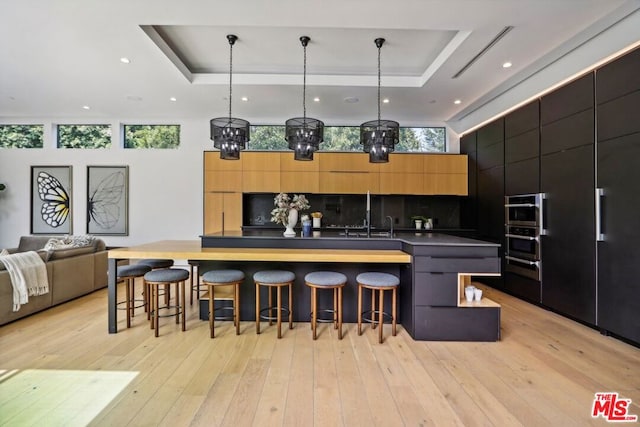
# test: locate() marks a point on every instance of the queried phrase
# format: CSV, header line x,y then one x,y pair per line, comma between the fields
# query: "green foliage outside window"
x,y
347,138
84,136
21,136
151,136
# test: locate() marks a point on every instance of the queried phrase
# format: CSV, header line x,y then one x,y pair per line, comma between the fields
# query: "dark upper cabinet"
x,y
619,117
522,120
522,177
490,134
572,131
567,100
468,143
491,156
618,254
491,203
523,146
619,77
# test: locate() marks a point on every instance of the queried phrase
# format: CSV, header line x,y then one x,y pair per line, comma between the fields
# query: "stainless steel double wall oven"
x,y
523,228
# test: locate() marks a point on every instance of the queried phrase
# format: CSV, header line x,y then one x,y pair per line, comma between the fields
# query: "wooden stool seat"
x,y
165,277
326,280
218,278
274,279
377,283
128,274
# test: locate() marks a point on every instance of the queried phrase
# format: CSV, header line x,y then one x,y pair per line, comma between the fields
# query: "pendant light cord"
x,y
230,75
379,85
304,83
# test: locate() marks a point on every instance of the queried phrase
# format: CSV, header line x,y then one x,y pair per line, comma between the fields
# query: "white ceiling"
x,y
58,56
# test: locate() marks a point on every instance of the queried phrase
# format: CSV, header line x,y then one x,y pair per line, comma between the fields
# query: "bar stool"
x,y
165,277
194,266
128,274
219,278
379,282
326,280
157,264
274,279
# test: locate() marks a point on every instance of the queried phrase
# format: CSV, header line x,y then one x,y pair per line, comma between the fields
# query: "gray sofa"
x,y
72,273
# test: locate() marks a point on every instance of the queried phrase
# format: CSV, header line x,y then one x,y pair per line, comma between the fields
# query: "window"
x,y
84,136
151,136
21,136
347,138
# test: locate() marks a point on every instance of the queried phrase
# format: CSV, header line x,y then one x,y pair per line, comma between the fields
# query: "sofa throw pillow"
x,y
68,242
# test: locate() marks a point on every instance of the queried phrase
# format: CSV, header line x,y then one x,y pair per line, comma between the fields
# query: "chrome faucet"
x,y
390,218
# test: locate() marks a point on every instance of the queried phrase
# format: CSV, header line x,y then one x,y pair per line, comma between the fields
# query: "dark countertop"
x,y
357,239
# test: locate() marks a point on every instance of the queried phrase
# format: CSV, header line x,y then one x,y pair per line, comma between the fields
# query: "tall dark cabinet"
x,y
469,205
568,180
570,143
618,155
490,164
522,176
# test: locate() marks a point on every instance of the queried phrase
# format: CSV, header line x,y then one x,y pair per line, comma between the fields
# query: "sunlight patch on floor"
x,y
57,397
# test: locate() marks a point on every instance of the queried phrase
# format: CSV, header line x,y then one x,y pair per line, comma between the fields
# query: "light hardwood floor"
x,y
61,367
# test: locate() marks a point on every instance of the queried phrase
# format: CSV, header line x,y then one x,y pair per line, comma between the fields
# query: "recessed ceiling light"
x,y
457,101
385,101
86,107
244,98
507,64
351,100
316,99
125,60
173,99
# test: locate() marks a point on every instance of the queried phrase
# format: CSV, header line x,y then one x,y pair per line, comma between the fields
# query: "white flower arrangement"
x,y
283,203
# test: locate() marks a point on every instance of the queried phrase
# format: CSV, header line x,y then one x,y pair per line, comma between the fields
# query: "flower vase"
x,y
291,222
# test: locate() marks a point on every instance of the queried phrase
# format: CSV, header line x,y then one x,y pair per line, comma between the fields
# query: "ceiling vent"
x,y
484,50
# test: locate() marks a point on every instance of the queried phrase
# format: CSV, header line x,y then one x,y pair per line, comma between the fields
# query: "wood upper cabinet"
x,y
402,175
337,173
348,173
221,175
298,176
446,174
260,172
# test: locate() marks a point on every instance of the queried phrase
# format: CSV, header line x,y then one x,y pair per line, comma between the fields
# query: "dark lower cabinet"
x,y
568,249
458,324
434,310
522,287
619,253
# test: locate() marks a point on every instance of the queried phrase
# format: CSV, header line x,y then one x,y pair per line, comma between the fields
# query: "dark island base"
x,y
301,292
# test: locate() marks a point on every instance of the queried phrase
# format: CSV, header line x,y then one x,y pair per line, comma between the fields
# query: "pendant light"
x,y
378,137
304,134
229,134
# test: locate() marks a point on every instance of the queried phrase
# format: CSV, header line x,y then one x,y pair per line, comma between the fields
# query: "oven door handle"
x,y
519,205
523,261
517,236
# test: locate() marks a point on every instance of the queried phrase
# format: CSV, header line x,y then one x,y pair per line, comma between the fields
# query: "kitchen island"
x,y
432,268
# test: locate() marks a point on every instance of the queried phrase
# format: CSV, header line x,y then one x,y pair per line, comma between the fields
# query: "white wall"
x,y
165,186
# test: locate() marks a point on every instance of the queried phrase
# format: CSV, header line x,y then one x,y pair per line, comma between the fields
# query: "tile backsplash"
x,y
350,209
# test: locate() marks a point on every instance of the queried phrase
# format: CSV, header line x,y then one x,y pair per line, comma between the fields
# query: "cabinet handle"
x,y
599,196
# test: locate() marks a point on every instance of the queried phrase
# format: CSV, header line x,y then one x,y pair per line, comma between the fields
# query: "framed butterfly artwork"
x,y
108,200
51,206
